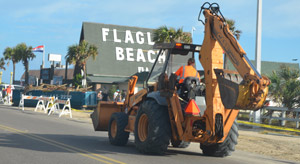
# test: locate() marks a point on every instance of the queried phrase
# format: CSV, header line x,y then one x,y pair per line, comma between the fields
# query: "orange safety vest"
x,y
186,71
8,90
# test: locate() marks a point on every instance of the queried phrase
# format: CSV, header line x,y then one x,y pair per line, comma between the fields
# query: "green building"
x,y
123,52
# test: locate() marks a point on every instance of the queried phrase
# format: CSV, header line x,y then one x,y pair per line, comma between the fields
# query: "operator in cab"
x,y
188,70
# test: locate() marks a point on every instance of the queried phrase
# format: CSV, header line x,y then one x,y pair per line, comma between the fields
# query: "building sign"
x,y
130,54
54,57
45,74
123,51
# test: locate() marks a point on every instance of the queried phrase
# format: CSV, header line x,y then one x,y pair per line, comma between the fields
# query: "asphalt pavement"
x,y
30,137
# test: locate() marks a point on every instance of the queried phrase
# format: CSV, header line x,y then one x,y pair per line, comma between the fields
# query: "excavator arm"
x,y
226,90
252,91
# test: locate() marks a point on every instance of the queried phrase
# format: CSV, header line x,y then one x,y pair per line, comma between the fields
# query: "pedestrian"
x,y
3,92
8,90
7,93
99,96
116,94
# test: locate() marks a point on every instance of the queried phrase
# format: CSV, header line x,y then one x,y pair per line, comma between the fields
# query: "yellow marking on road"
x,y
269,126
62,146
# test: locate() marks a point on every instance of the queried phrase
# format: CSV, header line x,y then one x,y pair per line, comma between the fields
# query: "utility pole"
x,y
256,115
258,36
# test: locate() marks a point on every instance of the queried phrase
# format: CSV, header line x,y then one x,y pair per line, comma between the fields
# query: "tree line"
x,y
19,53
77,55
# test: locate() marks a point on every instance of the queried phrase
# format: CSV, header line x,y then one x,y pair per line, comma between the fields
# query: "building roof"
x,y
106,79
57,72
267,67
142,76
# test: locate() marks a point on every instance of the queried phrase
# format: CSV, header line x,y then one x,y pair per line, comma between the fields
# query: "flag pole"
x,y
43,64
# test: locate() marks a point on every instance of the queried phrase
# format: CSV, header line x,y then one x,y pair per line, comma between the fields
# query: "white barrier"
x,y
50,103
53,106
67,108
41,103
24,97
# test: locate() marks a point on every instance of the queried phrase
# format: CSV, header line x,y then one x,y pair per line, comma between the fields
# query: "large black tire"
x,y
225,148
117,123
180,144
152,128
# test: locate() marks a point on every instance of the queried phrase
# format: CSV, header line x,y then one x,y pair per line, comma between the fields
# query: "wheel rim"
x,y
143,127
113,129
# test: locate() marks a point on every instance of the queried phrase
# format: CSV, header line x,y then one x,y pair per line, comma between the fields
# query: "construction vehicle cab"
x,y
155,82
164,111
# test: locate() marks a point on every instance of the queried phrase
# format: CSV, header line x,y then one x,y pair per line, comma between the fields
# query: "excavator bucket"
x,y
235,94
101,115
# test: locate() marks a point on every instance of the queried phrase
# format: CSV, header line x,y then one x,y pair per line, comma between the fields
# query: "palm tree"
x,y
236,33
79,54
9,54
2,63
165,34
25,54
285,87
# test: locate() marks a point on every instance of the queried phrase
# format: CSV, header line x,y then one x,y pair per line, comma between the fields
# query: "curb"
x,y
268,126
83,111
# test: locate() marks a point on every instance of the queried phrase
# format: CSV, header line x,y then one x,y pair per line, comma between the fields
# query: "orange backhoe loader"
x,y
165,111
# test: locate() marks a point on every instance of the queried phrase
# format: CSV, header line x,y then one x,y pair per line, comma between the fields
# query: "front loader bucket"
x,y
235,94
101,115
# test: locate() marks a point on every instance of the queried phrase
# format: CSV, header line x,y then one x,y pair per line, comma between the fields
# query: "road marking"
x,y
269,126
82,152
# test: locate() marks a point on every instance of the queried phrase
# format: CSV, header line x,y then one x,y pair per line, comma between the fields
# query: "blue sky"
x,y
57,23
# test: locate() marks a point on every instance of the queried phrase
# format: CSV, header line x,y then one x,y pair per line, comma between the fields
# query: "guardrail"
x,y
269,113
276,113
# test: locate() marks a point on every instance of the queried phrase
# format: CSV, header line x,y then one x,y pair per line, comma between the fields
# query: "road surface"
x,y
33,138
